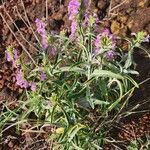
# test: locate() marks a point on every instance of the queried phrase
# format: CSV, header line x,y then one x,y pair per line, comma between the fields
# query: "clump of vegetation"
x,y
139,144
77,84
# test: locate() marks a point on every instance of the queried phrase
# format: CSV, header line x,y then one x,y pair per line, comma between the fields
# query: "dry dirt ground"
x,y
17,19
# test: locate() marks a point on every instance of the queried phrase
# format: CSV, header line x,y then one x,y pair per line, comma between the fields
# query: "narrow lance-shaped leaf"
x,y
106,73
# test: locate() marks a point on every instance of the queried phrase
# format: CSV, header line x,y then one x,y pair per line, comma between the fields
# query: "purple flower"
x,y
12,56
44,41
8,56
97,41
53,50
86,3
96,18
110,55
73,9
15,54
133,34
20,81
86,19
104,42
33,86
43,76
40,25
147,38
73,28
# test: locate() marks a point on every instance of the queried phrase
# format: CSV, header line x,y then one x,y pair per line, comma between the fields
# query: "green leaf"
x,y
120,85
103,87
132,81
105,73
76,147
129,60
130,72
99,102
73,131
113,105
70,69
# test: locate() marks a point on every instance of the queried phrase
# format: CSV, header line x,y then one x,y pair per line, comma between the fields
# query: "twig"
x,y
18,39
18,29
46,10
117,6
30,23
110,13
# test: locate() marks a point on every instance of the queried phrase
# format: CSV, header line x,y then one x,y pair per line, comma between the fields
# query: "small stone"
x,y
123,30
130,24
59,130
123,19
115,27
141,4
101,4
128,11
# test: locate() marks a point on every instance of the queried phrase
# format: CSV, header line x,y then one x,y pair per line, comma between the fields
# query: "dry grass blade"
x,y
18,39
19,29
30,24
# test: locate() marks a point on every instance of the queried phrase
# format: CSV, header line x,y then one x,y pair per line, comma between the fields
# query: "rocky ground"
x,y
17,28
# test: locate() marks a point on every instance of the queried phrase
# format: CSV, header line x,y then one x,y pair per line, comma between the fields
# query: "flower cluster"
x,y
73,9
110,55
12,56
86,19
41,30
20,81
105,42
23,83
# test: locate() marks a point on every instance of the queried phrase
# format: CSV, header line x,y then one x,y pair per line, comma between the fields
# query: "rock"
x,y
141,4
123,19
130,24
115,27
101,4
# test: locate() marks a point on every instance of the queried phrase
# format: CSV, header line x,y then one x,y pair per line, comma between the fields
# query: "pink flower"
x,y
20,81
97,41
86,3
147,38
73,9
53,50
33,86
40,26
104,42
41,30
96,18
15,54
9,57
43,76
73,28
110,55
86,19
12,56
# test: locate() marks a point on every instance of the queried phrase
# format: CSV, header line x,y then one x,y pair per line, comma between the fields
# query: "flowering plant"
x,y
82,89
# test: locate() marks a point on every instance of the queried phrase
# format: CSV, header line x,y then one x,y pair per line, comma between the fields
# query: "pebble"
x,y
115,27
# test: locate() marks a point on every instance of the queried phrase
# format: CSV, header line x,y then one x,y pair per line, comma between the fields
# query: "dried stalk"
x,y
17,39
30,24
